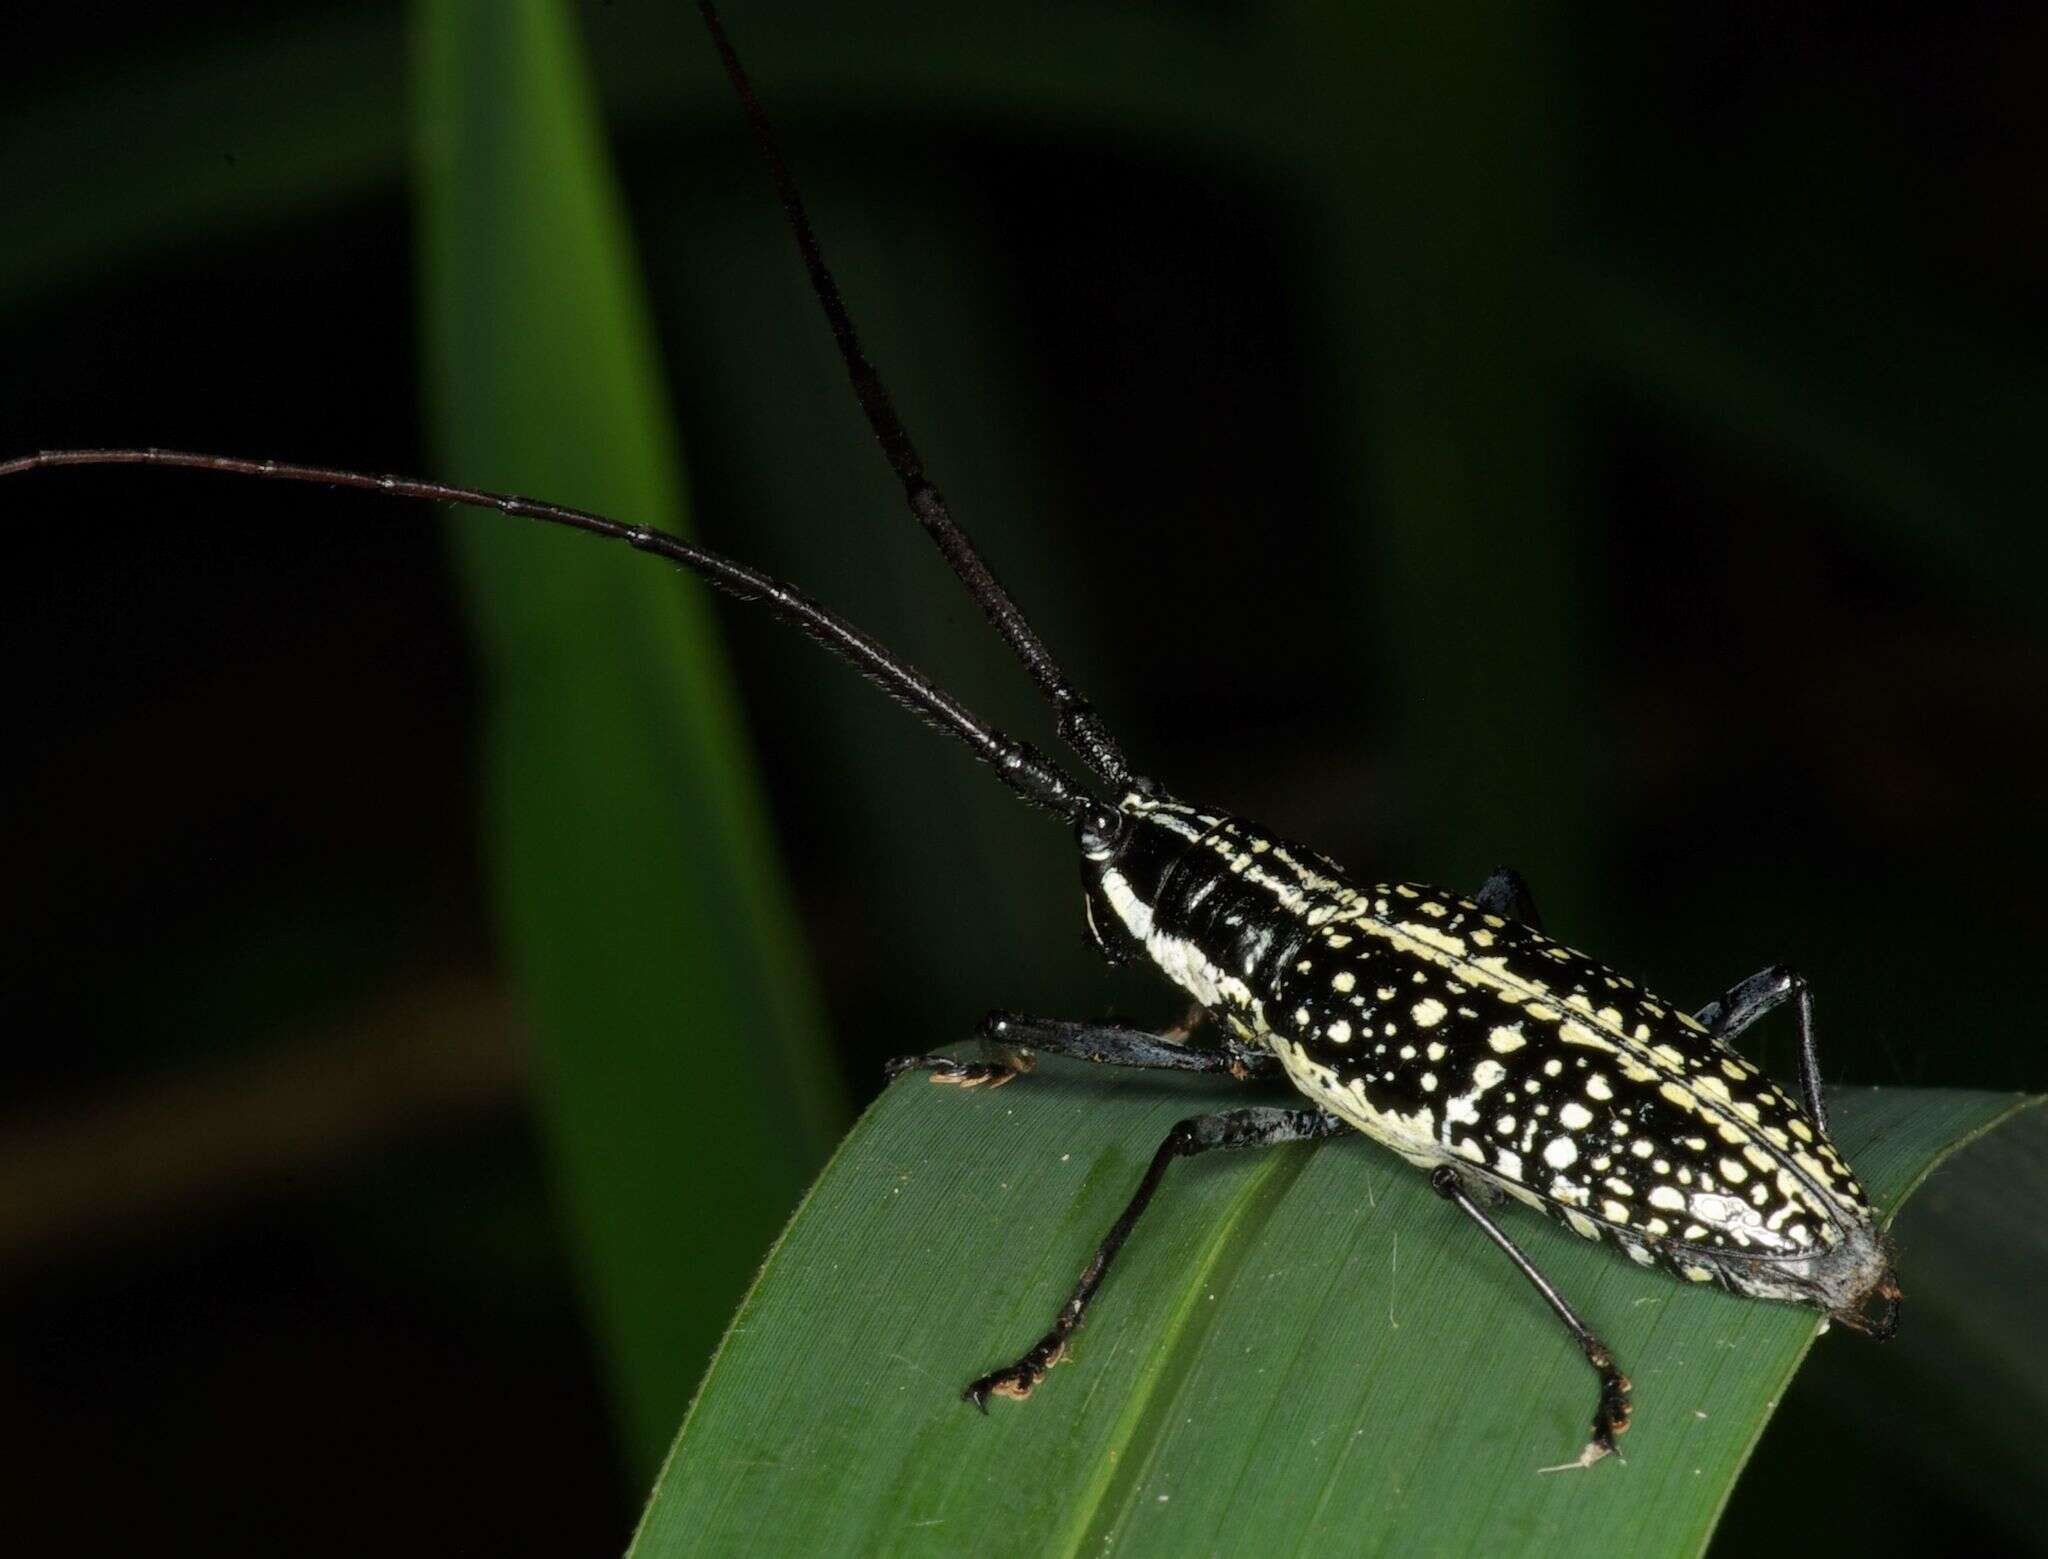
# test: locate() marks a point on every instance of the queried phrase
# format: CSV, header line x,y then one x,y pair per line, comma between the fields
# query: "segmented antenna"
x,y
1019,765
1080,727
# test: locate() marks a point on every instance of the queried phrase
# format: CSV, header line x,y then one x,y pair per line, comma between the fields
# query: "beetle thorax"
x,y
1217,905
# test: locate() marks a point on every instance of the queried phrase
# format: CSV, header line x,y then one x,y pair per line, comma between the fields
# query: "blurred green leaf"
x,y
250,129
239,129
1301,1348
684,1086
1440,184
1934,1427
1923,435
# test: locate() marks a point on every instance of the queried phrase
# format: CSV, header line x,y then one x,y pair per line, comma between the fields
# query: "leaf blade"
x,y
1295,1380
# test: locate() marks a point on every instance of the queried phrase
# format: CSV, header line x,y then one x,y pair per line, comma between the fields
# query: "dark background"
x,y
1567,437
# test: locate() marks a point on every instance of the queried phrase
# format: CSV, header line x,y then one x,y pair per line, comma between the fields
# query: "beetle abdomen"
x,y
1560,1080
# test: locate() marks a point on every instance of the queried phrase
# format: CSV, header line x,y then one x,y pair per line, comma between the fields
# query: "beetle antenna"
x,y
1018,764
1080,727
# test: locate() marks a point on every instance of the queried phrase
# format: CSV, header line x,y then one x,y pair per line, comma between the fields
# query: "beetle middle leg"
x,y
1255,1127
1505,894
1015,1038
1610,1418
1763,992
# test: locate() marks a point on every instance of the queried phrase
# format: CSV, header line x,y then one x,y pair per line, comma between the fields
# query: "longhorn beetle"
x,y
1448,1027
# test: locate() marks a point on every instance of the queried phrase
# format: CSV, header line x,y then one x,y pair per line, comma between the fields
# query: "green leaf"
x,y
682,1085
1300,1349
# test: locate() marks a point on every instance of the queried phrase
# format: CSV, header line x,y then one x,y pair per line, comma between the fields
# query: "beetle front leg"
x,y
1016,1038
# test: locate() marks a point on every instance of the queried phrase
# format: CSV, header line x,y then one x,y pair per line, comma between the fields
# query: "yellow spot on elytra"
x,y
1507,1038
1596,1088
1428,1012
1431,936
1576,1033
1575,1116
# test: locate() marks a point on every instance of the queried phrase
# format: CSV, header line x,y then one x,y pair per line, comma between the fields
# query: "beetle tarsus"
x,y
959,1074
1019,1380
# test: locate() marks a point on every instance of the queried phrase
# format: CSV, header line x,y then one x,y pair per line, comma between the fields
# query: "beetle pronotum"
x,y
1447,1027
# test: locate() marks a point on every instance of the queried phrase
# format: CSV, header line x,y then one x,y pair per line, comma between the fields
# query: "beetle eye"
x,y
1099,829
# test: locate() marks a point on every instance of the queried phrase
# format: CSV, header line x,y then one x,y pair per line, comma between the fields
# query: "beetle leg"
x,y
1610,1418
1757,995
1255,1127
1014,1037
1507,895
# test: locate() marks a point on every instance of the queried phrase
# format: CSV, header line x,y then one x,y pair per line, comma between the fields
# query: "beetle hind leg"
x,y
1761,993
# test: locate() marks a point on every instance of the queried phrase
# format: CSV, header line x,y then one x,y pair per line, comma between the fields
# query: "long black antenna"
x,y
1019,765
1080,727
